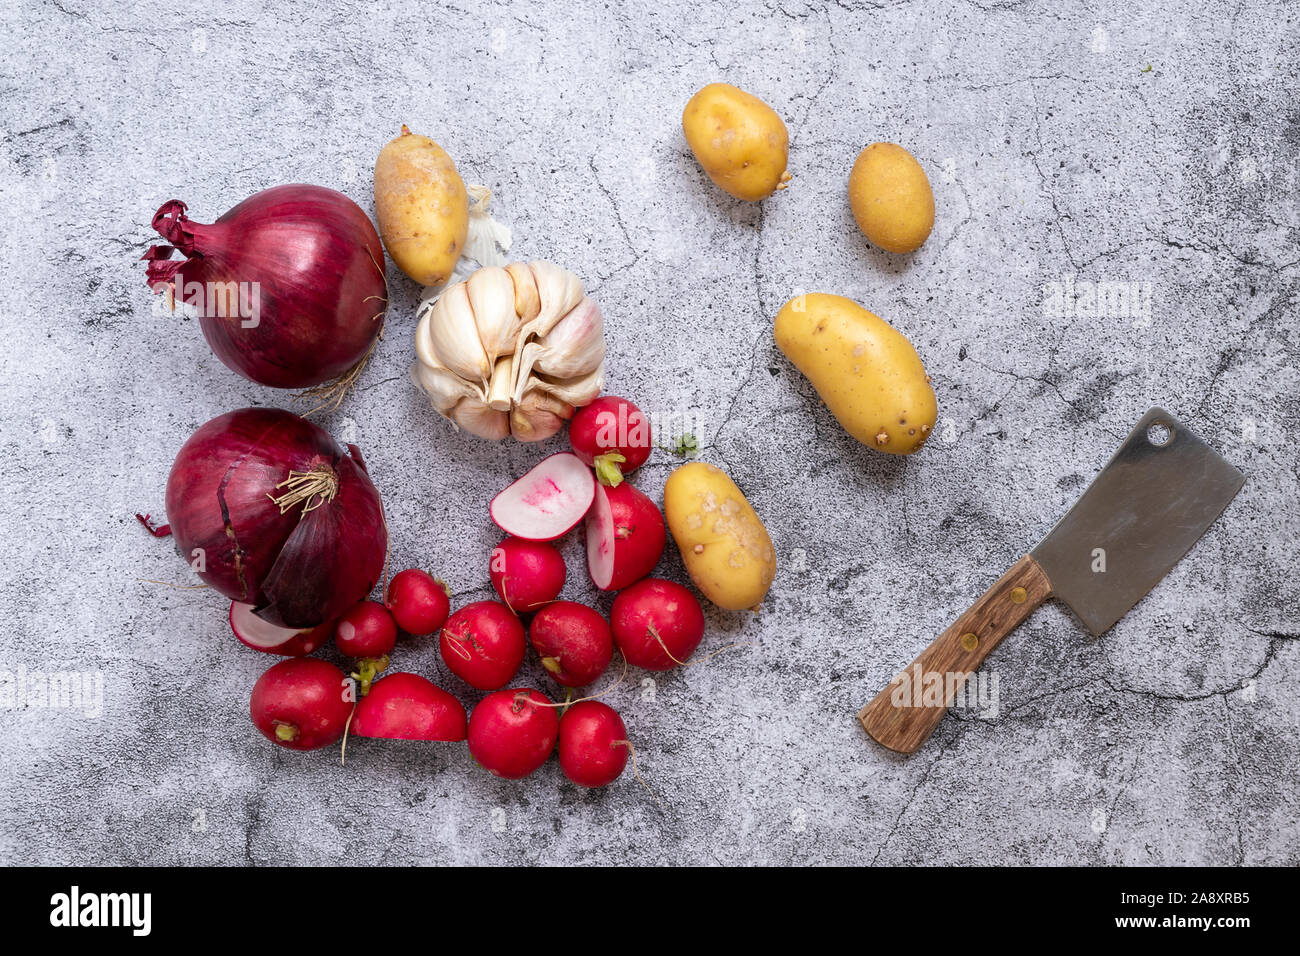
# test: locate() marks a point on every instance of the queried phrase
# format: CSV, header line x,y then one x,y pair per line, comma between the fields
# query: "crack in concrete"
x,y
622,228
911,798
1047,188
1048,381
1241,780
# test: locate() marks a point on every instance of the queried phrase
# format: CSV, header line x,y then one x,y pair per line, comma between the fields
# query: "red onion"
x,y
284,518
289,285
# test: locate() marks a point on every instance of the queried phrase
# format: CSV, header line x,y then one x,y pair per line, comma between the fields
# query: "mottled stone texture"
x,y
1138,142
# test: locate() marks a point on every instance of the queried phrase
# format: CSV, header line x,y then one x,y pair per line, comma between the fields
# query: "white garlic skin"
x,y
511,350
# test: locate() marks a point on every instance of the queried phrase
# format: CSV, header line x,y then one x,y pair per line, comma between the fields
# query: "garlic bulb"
x,y
511,350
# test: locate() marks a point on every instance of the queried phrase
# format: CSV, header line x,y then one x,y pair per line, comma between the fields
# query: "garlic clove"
x,y
558,288
453,335
528,302
444,389
573,348
491,294
575,391
477,419
558,291
538,417
427,358
425,352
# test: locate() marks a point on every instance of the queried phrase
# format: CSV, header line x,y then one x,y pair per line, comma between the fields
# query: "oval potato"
x,y
891,198
864,369
739,140
724,545
422,207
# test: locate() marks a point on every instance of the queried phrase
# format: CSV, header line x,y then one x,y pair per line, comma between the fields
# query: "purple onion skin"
x,y
298,569
318,265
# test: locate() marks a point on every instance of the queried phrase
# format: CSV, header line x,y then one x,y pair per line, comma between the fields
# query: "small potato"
x,y
891,198
738,140
865,370
724,545
422,207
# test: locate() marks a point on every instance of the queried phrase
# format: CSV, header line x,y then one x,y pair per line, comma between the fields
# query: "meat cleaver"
x,y
1141,514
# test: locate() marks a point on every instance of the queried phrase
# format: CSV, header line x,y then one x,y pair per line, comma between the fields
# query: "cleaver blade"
x,y
1154,499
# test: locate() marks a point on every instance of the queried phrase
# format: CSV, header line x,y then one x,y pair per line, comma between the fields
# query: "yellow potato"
x,y
891,198
739,140
865,370
727,551
422,207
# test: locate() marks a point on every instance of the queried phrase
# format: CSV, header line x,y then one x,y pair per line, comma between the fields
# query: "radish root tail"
x,y
655,634
343,750
720,650
569,703
637,773
703,660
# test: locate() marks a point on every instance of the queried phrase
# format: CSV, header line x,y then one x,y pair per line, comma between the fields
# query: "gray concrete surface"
x,y
1138,142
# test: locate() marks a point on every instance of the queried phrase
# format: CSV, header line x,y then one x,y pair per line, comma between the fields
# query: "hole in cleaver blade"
x,y
1141,514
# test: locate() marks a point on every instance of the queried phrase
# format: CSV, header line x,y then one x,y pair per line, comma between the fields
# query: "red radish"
x,y
418,601
367,630
483,644
657,624
625,536
512,732
613,436
526,574
547,501
408,707
593,744
301,703
254,632
271,511
289,285
573,641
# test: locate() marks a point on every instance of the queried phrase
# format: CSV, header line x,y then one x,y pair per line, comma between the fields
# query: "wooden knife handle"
x,y
903,715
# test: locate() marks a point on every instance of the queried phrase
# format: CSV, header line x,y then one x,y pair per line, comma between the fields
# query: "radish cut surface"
x,y
625,536
600,540
547,501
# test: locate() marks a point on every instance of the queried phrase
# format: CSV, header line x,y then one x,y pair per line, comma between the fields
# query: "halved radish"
x,y
256,633
546,502
409,707
625,536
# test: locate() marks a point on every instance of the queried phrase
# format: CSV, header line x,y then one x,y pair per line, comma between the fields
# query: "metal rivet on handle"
x,y
1019,595
969,641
